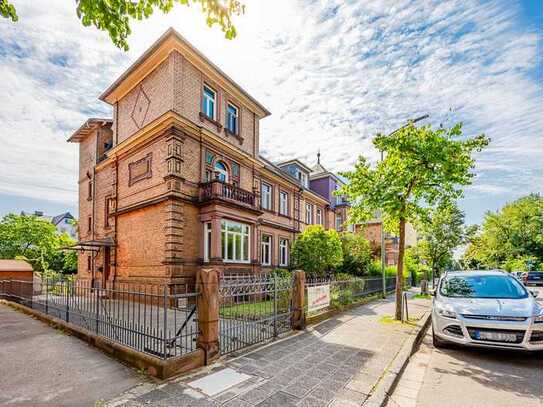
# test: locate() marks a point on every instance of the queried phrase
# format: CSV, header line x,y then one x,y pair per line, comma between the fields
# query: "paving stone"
x,y
254,396
225,396
152,396
279,399
132,403
297,390
311,402
308,381
322,393
173,388
237,402
351,396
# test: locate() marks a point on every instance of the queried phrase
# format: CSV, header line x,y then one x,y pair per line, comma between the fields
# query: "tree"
x,y
442,231
357,254
422,167
317,250
35,240
114,16
510,237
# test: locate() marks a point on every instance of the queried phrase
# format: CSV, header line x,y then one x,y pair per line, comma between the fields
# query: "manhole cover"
x,y
218,382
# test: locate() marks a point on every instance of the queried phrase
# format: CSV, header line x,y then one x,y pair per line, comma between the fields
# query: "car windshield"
x,y
480,286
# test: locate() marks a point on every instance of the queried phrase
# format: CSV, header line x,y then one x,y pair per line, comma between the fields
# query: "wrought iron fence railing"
x,y
339,293
159,320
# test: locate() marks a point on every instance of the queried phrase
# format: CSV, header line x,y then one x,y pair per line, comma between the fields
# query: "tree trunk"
x,y
399,272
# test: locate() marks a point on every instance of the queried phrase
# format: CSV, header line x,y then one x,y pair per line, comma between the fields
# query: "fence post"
x,y
97,309
165,330
275,305
46,296
207,303
298,300
67,296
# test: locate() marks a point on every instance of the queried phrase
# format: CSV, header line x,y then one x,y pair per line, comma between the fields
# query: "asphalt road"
x,y
461,377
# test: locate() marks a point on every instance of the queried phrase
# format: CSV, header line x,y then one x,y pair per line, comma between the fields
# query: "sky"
x,y
332,72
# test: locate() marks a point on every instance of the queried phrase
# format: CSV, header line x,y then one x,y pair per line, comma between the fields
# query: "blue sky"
x,y
332,72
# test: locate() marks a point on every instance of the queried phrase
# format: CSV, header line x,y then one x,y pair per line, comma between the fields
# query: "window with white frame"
x,y
308,214
283,252
207,241
302,176
266,195
232,114
319,216
209,102
235,241
283,203
339,222
265,250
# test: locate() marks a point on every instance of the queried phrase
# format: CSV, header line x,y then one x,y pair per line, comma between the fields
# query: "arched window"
x,y
221,171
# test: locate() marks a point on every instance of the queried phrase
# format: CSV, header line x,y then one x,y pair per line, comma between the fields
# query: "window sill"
x,y
235,135
204,117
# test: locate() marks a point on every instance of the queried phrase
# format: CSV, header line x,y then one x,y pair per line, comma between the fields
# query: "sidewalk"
x,y
338,362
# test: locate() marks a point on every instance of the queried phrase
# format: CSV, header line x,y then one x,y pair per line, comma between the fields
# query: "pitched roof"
x,y
171,39
15,265
86,128
57,219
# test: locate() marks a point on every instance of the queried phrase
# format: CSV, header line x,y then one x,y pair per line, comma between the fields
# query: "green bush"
x,y
356,254
317,251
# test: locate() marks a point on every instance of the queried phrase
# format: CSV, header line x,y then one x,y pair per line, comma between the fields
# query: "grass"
x,y
422,297
389,319
247,309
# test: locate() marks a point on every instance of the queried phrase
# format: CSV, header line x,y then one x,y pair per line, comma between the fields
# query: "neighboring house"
x,y
175,181
63,222
372,232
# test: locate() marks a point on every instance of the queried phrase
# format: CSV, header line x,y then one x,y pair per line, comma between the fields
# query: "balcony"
x,y
218,190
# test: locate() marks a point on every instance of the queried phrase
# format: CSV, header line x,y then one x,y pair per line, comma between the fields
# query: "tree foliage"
x,y
511,238
317,250
36,240
114,16
442,230
7,10
357,254
422,167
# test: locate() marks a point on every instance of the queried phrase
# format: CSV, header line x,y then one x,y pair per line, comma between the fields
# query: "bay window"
x,y
235,241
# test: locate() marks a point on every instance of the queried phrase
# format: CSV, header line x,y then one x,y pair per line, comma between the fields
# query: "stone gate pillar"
x,y
207,283
298,300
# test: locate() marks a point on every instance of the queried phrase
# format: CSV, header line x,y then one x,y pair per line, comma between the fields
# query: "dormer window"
x,y
232,119
209,102
302,176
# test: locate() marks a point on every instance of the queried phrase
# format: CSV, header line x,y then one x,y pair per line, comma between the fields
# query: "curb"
x,y
392,375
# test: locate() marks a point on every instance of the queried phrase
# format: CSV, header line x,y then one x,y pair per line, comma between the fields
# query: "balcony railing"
x,y
221,190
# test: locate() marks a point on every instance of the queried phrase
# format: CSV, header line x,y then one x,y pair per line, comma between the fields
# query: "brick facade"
x,y
148,187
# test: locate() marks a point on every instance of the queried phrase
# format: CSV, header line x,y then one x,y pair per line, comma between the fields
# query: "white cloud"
x,y
333,73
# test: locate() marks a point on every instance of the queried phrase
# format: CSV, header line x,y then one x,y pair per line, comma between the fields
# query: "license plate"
x,y
495,336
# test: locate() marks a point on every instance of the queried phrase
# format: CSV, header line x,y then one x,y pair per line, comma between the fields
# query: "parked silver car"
x,y
486,308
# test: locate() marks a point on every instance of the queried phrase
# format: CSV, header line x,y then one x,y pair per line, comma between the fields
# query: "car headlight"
x,y
447,313
538,319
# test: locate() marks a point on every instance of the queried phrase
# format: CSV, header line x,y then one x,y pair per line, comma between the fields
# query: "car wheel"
x,y
438,343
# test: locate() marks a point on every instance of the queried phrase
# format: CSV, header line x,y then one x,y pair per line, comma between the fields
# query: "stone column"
x,y
215,251
298,299
207,283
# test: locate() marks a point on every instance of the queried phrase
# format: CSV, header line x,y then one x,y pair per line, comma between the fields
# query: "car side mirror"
x,y
534,293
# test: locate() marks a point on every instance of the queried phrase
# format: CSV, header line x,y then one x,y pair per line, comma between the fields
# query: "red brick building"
x,y
175,181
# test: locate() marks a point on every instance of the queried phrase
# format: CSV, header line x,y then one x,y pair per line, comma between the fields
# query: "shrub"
x,y
356,254
317,251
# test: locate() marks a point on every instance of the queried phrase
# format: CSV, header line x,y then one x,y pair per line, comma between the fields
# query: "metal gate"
x,y
253,309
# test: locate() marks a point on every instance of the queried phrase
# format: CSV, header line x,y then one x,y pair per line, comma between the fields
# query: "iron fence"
x,y
159,320
345,292
253,309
